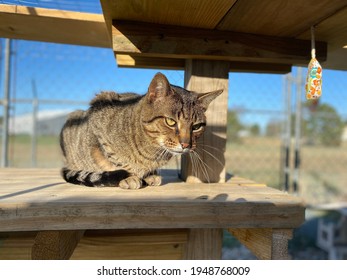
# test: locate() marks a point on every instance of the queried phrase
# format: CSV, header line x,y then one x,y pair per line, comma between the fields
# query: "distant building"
x,y
48,123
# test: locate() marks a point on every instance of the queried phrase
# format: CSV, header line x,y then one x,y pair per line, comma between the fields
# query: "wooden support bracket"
x,y
265,243
55,245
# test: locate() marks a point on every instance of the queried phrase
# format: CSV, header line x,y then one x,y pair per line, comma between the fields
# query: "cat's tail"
x,y
94,179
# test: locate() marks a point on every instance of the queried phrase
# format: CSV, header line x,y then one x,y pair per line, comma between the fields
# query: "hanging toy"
x,y
313,84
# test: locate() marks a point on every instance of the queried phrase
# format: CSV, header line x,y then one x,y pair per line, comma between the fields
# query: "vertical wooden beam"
x,y
55,245
205,76
204,244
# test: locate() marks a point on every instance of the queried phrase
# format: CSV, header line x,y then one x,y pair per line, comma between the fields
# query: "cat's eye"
x,y
198,126
170,122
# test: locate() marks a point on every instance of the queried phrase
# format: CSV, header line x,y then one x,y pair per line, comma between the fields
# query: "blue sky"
x,y
77,73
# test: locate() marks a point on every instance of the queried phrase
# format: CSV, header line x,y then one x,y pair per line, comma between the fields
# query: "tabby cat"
x,y
122,139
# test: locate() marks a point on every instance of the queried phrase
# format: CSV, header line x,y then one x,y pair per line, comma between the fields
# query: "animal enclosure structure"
x,y
207,39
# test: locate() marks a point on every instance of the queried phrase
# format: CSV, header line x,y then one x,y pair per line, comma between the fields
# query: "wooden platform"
x,y
39,200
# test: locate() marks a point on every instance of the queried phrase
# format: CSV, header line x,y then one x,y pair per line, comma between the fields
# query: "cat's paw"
x,y
153,180
132,182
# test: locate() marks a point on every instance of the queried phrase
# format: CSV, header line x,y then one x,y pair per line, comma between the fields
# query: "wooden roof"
x,y
263,34
267,35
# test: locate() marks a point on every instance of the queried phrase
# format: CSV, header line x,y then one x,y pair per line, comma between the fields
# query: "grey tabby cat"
x,y
122,139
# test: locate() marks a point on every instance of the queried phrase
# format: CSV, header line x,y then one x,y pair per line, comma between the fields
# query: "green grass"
x,y
47,153
323,173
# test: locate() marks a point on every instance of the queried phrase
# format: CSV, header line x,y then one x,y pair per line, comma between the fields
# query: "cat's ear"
x,y
159,87
208,97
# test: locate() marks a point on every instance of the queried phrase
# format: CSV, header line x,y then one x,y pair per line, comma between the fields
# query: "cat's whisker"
x,y
213,156
194,168
203,145
200,163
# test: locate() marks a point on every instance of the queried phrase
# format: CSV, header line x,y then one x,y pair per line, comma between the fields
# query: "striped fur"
x,y
123,138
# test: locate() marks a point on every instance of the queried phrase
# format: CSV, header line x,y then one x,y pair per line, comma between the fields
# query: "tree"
x,y
234,126
254,129
323,124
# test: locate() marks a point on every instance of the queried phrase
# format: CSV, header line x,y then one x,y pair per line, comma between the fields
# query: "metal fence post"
x,y
6,104
287,129
35,104
298,83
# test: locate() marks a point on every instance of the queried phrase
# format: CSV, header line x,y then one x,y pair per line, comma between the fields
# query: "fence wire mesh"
x,y
49,80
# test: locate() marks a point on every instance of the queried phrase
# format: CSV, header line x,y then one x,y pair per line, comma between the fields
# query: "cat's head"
x,y
174,117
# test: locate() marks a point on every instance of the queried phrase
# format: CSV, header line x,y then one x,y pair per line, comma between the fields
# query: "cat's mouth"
x,y
180,150
177,149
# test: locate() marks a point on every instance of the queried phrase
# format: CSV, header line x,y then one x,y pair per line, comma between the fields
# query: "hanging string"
x,y
313,45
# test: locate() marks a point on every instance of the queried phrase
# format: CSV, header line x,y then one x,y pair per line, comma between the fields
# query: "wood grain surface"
x,y
38,199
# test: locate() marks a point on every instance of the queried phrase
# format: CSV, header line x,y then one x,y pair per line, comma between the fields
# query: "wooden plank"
x,y
55,245
204,244
134,61
191,43
278,18
179,12
166,244
48,25
50,204
255,67
208,165
16,245
132,245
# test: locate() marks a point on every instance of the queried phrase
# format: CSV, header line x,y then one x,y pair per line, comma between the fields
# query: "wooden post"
x,y
55,244
280,239
204,244
205,76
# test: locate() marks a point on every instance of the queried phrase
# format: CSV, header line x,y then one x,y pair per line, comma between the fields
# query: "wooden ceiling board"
x,y
199,14
278,18
334,31
29,23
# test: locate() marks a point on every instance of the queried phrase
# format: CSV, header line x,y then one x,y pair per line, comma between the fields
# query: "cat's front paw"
x,y
153,180
132,182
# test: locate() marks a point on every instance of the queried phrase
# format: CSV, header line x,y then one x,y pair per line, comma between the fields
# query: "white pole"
x,y
6,105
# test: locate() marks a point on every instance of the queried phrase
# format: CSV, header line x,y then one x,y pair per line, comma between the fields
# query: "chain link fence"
x,y
47,81
50,80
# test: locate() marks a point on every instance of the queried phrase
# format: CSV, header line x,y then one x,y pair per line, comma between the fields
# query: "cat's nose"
x,y
185,145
